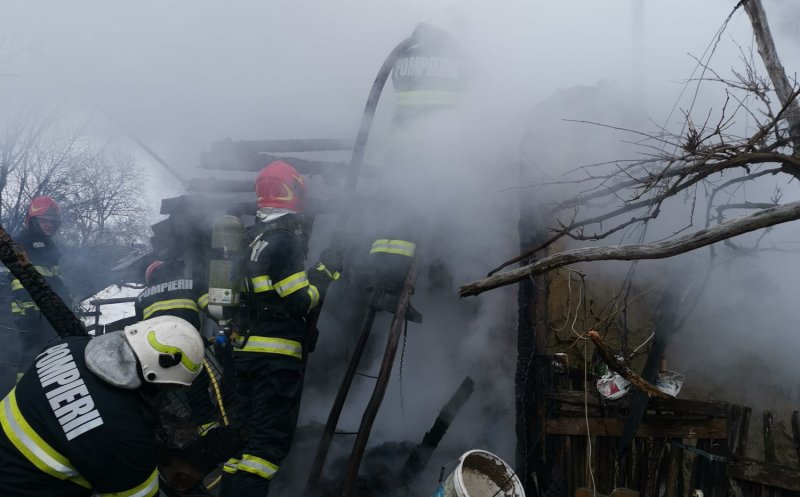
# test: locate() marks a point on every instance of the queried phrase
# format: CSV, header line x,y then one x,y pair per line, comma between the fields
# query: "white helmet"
x,y
169,349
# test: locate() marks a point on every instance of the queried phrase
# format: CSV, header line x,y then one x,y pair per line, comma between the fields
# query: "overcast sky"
x,y
184,73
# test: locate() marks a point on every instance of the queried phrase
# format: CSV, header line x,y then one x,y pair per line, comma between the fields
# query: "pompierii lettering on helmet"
x,y
169,349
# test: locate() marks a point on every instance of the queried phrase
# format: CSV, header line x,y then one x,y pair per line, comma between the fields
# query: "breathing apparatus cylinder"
x,y
225,269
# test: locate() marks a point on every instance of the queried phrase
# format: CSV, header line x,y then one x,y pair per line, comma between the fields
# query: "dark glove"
x,y
333,259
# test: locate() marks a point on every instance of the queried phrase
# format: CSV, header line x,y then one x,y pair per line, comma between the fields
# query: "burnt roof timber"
x,y
255,162
282,146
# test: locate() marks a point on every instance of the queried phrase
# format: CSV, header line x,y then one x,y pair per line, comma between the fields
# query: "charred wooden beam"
x,y
50,304
651,426
256,161
204,203
282,146
118,300
531,377
421,454
233,204
219,185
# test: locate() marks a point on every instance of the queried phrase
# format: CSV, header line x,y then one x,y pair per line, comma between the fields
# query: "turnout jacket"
x,y
65,432
280,291
181,297
44,255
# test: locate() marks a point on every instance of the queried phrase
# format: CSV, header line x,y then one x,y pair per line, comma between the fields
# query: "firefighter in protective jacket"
x,y
170,293
81,421
36,239
269,360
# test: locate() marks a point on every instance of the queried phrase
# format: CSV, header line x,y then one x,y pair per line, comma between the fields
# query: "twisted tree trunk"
x,y
50,304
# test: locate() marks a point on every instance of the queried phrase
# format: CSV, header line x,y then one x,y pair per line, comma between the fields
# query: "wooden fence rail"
x,y
682,448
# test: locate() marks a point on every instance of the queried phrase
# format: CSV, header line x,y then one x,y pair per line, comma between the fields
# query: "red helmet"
x,y
280,185
43,207
148,274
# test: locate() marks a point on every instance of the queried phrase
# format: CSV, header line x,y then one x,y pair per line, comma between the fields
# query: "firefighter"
x,y
81,421
170,293
42,221
269,360
428,77
389,261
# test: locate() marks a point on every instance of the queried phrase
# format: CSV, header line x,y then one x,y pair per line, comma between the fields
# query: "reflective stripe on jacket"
x,y
32,446
251,464
398,247
271,345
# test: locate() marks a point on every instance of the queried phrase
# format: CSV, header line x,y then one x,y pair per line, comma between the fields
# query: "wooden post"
x,y
769,439
421,454
796,432
532,365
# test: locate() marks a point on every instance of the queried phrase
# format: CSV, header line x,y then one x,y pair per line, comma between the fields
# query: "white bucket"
x,y
481,474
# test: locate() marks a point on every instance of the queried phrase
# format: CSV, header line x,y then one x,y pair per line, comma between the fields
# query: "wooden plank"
x,y
663,469
643,460
675,462
576,397
741,451
766,474
676,406
720,479
651,426
568,465
769,439
796,432
579,461
653,464
734,427
702,469
685,406
604,473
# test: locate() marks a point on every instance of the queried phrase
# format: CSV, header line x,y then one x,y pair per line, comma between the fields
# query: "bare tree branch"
x,y
769,54
700,238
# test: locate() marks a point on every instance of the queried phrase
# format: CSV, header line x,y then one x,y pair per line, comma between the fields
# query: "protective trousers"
x,y
269,387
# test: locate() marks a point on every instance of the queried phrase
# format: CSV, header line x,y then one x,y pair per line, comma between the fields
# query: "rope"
x,y
217,392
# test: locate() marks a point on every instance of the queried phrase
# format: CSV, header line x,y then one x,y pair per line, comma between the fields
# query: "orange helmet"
x,y
280,185
43,207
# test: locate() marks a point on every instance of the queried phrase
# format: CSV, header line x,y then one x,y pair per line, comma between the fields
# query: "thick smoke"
x,y
184,74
